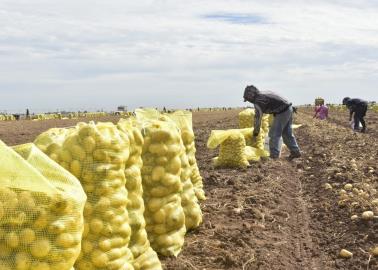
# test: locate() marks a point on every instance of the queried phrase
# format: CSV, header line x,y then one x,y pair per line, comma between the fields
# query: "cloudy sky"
x,y
91,54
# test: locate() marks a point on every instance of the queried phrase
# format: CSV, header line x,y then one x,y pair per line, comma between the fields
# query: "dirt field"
x,y
275,214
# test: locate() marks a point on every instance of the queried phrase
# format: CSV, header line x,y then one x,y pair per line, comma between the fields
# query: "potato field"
x,y
317,212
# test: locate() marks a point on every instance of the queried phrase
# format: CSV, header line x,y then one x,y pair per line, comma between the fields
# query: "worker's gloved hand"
x,y
295,110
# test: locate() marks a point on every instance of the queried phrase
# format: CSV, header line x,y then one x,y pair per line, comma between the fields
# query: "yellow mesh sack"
x,y
41,211
232,148
145,258
184,121
265,123
189,201
162,187
96,154
51,140
246,118
258,146
147,114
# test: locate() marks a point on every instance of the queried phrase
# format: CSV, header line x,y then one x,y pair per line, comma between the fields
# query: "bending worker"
x,y
282,111
321,112
358,107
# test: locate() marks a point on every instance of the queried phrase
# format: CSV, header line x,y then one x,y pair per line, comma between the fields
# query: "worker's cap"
x,y
249,92
345,100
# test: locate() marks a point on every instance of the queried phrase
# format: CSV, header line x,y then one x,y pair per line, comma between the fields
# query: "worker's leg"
x,y
287,134
362,119
356,120
275,134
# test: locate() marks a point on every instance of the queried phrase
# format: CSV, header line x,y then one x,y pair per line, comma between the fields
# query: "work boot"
x,y
294,155
363,130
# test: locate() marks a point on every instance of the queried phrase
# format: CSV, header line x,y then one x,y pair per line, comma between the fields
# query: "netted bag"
x,y
51,141
189,201
256,148
232,148
265,123
246,118
184,121
41,211
96,154
162,187
145,258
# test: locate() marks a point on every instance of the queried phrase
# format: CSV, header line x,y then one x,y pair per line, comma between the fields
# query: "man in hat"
x,y
358,107
282,111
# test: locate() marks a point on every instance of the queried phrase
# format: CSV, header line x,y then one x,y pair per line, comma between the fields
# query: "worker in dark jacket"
x,y
282,111
358,107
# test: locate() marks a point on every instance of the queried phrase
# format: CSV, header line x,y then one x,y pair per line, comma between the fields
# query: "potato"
x,y
96,225
367,215
22,261
346,254
12,240
40,248
99,259
348,187
65,240
374,251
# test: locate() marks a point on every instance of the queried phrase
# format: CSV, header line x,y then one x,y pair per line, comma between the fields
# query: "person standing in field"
x,y
282,110
358,107
321,112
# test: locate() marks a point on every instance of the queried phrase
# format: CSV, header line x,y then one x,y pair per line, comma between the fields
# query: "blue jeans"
x,y
282,127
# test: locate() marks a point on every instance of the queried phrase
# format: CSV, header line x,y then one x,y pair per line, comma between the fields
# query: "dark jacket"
x,y
356,105
268,103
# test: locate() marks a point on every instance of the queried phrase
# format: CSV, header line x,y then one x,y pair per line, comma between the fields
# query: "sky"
x,y
92,55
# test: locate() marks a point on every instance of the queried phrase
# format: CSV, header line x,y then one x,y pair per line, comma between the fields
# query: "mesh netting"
x,y
41,204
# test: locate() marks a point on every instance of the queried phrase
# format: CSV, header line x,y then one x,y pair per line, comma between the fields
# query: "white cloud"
x,y
92,54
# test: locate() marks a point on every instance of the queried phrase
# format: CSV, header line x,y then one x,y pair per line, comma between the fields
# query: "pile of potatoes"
x,y
41,212
162,187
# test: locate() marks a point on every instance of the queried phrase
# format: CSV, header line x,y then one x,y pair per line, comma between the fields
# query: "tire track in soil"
x,y
298,252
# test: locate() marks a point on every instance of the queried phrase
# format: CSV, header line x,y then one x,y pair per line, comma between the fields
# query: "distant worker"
x,y
321,112
282,110
358,107
27,114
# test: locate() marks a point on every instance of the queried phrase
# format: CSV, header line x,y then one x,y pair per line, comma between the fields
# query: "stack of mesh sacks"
x,y
145,258
232,148
96,155
183,120
162,186
41,211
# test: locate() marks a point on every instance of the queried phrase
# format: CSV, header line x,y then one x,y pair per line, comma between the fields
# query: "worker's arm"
x,y
350,113
258,118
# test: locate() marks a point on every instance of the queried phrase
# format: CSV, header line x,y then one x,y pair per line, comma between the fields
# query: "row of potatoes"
x,y
123,168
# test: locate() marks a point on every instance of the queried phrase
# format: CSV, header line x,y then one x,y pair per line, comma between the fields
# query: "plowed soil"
x,y
274,214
